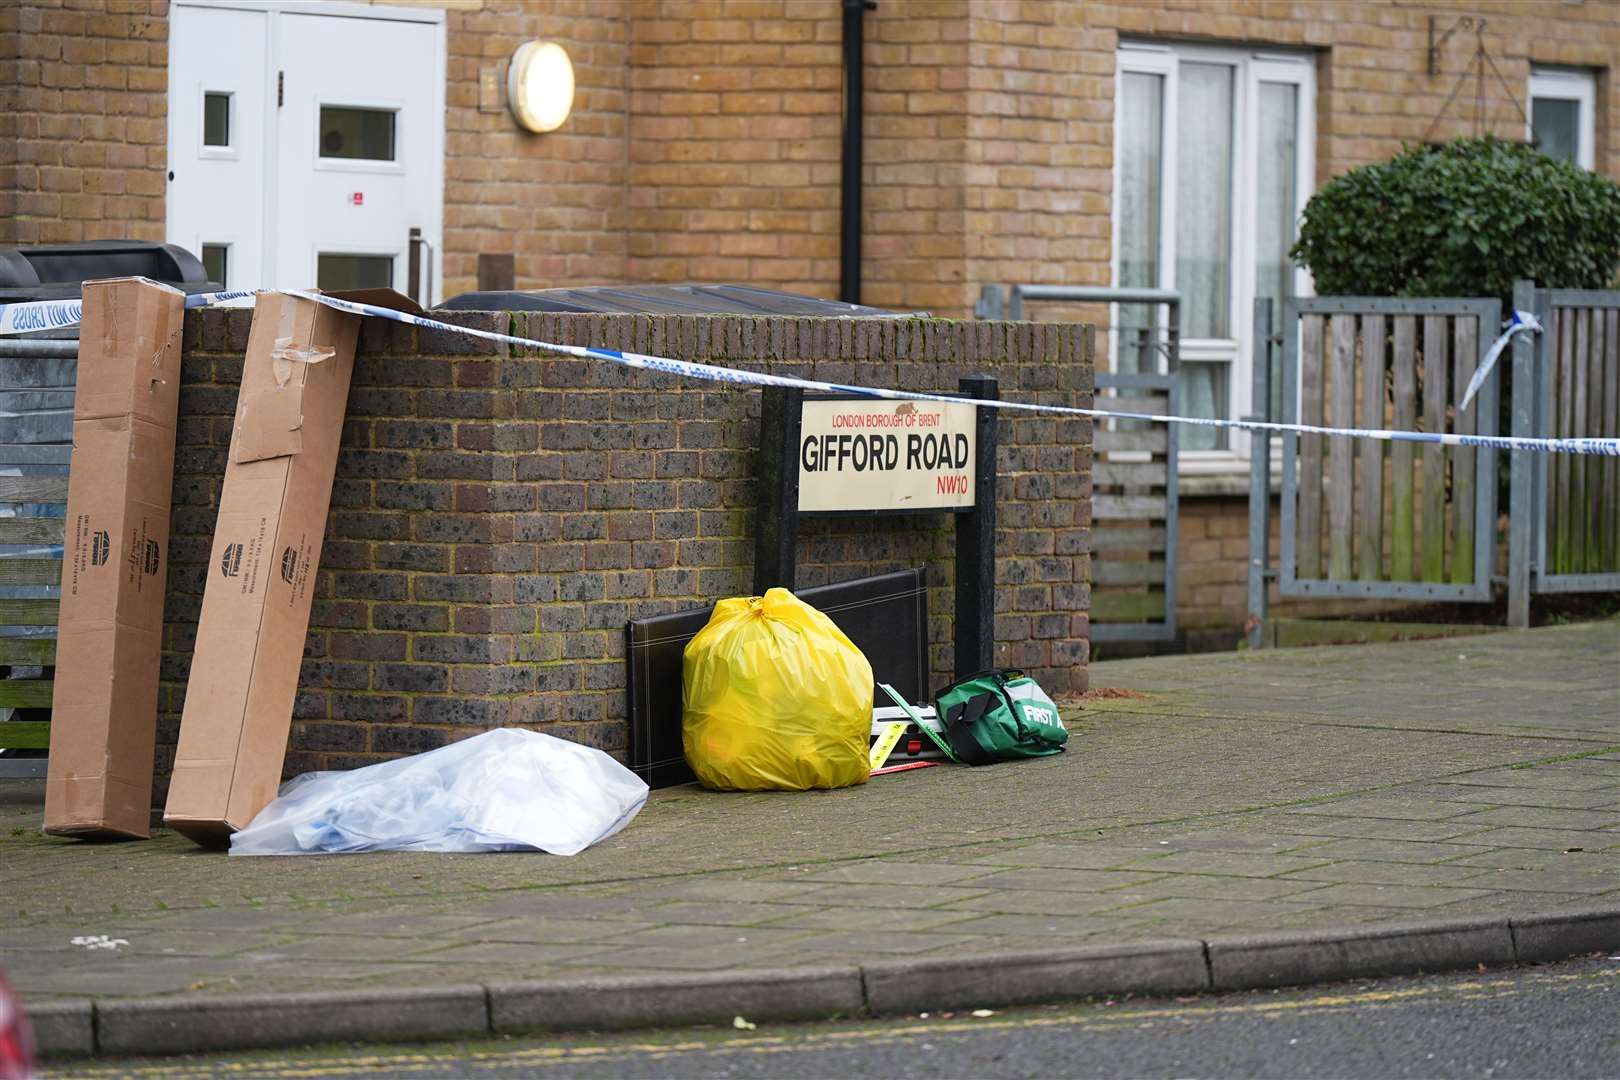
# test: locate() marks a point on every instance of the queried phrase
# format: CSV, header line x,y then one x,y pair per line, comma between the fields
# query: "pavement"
x,y
1222,821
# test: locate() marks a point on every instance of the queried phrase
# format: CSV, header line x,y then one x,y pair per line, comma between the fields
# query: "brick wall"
x,y
554,202
705,139
915,235
704,142
496,519
83,120
989,151
734,143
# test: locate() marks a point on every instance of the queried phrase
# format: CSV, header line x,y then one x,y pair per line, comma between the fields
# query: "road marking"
x,y
1093,1019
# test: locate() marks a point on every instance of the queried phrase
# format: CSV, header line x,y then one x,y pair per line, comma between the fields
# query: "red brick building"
x,y
1162,142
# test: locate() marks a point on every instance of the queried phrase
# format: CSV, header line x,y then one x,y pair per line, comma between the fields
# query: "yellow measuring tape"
x,y
886,742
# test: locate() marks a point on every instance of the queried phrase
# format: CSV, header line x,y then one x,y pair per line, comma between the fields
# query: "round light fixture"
x,y
540,85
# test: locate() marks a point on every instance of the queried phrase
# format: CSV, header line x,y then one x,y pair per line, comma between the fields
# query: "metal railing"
x,y
1134,483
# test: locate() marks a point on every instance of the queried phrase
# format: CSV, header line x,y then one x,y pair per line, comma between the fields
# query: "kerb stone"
x,y
1298,958
654,1001
1154,967
1558,935
62,1028
247,1021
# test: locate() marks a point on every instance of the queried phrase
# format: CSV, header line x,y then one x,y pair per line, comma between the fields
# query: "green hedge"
x,y
1462,219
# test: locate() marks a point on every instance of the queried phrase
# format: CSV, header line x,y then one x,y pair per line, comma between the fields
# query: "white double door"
x,y
306,141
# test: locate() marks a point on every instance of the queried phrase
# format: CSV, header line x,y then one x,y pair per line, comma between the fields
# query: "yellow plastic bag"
x,y
774,696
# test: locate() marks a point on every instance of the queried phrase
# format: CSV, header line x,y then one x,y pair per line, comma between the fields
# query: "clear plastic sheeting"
x,y
504,790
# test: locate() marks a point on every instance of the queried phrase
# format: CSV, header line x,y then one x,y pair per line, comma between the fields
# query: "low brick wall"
x,y
497,518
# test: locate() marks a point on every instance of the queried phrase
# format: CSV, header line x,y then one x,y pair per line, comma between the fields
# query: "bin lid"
x,y
665,300
59,271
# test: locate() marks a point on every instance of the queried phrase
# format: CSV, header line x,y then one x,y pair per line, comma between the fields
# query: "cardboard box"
x,y
115,561
267,546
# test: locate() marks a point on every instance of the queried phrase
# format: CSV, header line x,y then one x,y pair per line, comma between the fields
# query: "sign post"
x,y
844,455
976,544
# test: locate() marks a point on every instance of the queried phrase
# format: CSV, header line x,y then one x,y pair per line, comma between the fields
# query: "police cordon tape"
x,y
59,314
32,316
692,369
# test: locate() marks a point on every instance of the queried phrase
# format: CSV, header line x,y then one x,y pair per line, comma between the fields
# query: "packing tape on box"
x,y
58,314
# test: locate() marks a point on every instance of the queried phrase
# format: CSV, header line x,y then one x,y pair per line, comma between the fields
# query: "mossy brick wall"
x,y
497,517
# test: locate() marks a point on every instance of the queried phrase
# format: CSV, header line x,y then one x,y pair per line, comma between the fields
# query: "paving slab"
x,y
1397,851
1386,873
1336,792
1512,836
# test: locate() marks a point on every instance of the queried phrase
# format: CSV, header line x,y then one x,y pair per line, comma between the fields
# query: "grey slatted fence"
x,y
1361,517
36,434
1133,512
1134,485
1572,376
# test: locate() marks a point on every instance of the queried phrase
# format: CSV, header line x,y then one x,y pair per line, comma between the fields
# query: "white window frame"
x,y
1252,67
1568,84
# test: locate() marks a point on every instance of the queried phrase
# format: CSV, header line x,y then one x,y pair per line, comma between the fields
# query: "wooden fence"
x,y
1362,517
1581,368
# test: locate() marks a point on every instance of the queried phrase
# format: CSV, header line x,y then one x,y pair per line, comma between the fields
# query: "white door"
x,y
347,142
361,149
217,119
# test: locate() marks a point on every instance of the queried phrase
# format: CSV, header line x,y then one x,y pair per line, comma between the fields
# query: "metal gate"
x,y
1134,486
1361,517
1565,530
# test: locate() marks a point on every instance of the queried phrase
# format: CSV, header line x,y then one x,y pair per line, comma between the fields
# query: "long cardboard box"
x,y
267,545
115,561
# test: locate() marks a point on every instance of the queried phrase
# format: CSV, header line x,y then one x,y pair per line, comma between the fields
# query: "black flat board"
x,y
886,616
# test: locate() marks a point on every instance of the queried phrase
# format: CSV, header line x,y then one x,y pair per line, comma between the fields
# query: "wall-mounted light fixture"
x,y
540,85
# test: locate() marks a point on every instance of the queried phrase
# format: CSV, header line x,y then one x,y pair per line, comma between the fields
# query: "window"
x,y
1213,160
216,119
339,272
216,263
362,134
1561,107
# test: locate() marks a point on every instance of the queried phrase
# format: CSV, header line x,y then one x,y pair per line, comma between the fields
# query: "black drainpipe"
x,y
849,243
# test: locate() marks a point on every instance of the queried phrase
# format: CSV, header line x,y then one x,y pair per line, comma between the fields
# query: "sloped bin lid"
x,y
59,271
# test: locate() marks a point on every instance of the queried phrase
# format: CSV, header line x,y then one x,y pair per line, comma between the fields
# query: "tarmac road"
x,y
1549,1021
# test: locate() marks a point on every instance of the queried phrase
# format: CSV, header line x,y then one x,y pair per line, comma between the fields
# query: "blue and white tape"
x,y
1522,322
36,315
59,314
691,369
32,316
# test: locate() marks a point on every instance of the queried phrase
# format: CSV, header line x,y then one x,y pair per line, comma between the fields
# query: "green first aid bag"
x,y
997,715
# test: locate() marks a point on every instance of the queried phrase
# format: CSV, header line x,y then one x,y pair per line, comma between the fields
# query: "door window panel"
x,y
341,272
216,119
216,263
357,134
